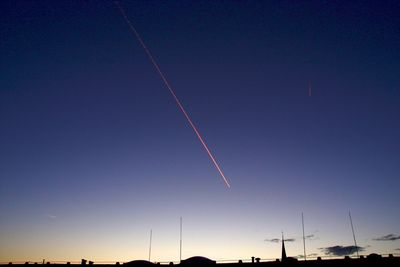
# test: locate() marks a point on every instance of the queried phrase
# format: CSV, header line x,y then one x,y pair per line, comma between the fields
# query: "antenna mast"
x,y
304,238
180,241
354,236
151,235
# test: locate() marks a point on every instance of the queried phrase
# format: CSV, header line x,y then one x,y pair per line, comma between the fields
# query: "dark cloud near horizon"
x,y
389,237
312,255
341,250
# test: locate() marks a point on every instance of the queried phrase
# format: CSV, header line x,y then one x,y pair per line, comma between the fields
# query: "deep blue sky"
x,y
94,151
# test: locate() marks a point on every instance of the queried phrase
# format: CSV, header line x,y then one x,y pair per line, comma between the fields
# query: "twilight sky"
x,y
94,151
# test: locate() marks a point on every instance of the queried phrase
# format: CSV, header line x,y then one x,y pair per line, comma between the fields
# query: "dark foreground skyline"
x,y
198,261
94,152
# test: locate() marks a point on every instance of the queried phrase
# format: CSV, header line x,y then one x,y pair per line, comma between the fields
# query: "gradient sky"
x,y
94,151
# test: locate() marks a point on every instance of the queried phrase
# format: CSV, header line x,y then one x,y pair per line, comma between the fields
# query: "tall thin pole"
x,y
304,238
151,236
180,241
354,236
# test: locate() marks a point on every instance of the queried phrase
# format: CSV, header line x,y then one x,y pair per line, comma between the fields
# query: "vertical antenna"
x,y
151,235
354,236
309,89
180,241
304,238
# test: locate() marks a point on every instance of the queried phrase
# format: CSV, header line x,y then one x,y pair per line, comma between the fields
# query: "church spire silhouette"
x,y
283,248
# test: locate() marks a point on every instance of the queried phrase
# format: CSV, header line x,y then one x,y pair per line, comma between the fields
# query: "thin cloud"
x,y
310,237
277,240
273,240
51,216
389,237
341,250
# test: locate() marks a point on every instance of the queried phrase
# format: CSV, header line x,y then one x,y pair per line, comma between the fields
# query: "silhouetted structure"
x,y
372,260
140,263
283,257
198,261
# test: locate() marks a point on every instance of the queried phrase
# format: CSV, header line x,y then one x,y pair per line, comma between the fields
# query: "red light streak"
x,y
178,102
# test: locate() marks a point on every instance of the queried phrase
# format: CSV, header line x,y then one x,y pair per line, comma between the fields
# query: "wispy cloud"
x,y
389,237
310,237
277,240
273,240
341,250
51,216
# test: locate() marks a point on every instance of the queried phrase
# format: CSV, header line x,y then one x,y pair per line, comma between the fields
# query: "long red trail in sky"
x,y
153,61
